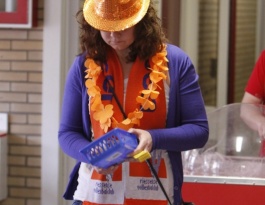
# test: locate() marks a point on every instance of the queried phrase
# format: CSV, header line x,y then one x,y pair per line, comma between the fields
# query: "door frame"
x,y
189,29
189,42
223,53
60,45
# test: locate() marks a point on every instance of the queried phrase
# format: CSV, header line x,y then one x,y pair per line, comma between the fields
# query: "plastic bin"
x,y
112,148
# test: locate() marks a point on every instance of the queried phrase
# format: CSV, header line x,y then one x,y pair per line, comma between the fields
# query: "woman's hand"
x,y
145,141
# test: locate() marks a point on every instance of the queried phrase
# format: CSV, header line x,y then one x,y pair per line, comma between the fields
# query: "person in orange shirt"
x,y
255,95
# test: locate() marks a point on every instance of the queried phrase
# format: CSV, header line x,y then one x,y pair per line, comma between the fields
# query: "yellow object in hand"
x,y
142,156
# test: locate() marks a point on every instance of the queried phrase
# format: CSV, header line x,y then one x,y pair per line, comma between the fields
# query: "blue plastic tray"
x,y
110,149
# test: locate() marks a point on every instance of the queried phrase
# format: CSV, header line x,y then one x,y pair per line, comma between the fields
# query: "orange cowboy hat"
x,y
114,15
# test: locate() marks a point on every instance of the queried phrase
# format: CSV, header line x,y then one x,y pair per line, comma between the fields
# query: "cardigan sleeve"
x,y
73,134
187,125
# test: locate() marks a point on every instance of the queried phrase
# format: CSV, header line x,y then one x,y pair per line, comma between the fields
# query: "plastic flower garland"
x,y
104,114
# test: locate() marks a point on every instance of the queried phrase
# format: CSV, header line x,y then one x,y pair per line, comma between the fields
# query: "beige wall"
x,y
20,97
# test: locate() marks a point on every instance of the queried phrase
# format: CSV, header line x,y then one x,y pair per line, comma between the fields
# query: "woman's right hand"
x,y
109,170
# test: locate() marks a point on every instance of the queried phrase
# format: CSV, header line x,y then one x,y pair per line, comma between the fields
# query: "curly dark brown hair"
x,y
149,38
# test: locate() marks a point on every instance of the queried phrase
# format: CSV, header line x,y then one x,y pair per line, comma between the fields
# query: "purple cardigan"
x,y
187,125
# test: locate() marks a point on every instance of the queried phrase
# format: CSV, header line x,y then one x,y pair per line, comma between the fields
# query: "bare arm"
x,y
248,98
252,114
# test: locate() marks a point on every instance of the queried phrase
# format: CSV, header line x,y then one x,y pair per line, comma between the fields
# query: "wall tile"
x,y
4,87
34,119
26,45
35,77
14,201
12,97
17,118
25,129
34,98
17,160
16,139
17,181
4,107
34,55
12,76
5,45
26,87
34,161
4,65
25,192
35,35
33,202
13,34
13,55
26,66
24,171
25,108
33,182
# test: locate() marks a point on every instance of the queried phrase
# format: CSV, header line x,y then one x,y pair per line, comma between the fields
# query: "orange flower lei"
x,y
104,114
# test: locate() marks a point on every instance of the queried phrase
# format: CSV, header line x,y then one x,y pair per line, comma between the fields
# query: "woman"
x,y
129,77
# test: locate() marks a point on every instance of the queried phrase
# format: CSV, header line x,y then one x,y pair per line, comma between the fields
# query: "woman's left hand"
x,y
145,141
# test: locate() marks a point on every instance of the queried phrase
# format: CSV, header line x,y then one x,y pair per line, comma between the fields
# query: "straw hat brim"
x,y
112,25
